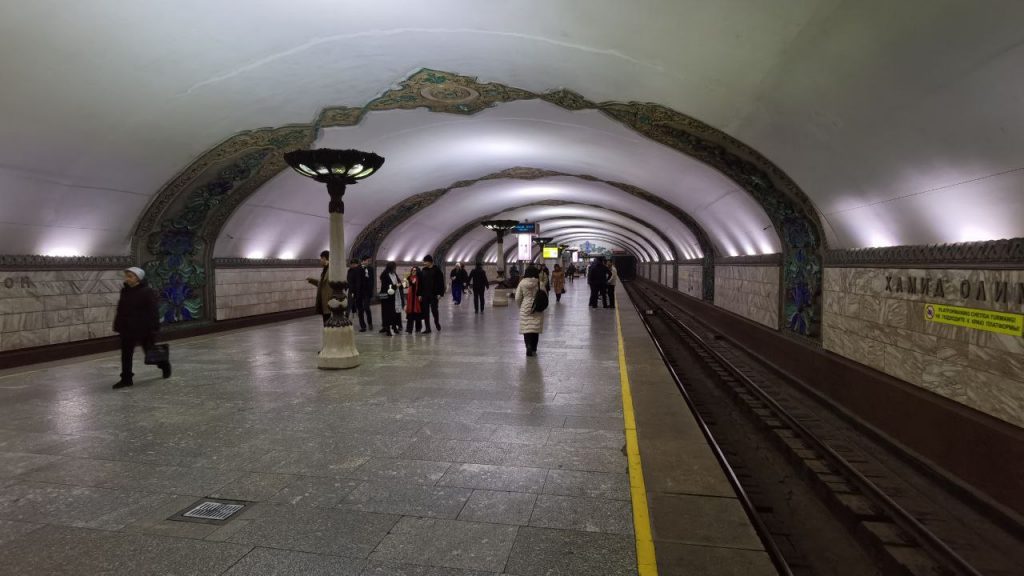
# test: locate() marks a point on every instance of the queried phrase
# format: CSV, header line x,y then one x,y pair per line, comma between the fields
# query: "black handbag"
x,y
158,354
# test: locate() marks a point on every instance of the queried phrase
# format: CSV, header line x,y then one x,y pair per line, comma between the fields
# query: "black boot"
x,y
124,382
166,369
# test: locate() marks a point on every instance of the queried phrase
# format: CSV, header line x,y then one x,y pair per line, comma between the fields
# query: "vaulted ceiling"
x,y
899,122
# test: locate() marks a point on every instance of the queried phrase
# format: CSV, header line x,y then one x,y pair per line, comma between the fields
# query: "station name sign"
x,y
977,290
525,228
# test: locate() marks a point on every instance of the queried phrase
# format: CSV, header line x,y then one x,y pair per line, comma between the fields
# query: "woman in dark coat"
x,y
392,299
413,306
137,321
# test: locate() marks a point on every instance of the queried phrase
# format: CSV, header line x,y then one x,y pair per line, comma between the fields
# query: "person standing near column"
x,y
413,302
431,292
137,321
531,323
323,293
613,279
478,279
558,282
365,293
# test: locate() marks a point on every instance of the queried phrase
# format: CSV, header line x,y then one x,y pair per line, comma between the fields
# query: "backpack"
x,y
540,301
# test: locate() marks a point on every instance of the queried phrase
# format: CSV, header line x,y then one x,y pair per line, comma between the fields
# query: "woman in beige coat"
x,y
531,323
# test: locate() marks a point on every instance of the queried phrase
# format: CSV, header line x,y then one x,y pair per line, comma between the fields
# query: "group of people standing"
x,y
475,282
602,277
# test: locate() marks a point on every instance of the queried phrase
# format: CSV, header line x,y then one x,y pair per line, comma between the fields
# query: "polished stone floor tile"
x,y
327,531
397,569
587,484
253,487
16,464
389,497
74,505
269,562
518,419
560,457
504,478
547,552
447,543
84,552
610,439
9,530
315,491
307,463
584,514
675,559
32,442
499,507
412,471
132,476
456,431
442,450
521,434
594,422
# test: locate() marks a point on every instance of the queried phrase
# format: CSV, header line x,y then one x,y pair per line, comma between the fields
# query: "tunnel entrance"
x,y
626,265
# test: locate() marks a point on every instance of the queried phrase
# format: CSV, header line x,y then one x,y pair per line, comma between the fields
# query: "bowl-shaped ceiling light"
x,y
327,165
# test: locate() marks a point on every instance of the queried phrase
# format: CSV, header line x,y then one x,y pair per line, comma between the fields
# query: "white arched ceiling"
x,y
900,120
483,199
425,150
634,246
400,245
553,227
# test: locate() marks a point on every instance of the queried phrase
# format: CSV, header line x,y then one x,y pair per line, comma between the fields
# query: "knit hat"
x,y
137,271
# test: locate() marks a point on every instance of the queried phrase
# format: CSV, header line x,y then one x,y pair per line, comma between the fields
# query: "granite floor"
x,y
445,454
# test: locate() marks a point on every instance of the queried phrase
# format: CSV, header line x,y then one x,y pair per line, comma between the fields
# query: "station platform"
x,y
443,454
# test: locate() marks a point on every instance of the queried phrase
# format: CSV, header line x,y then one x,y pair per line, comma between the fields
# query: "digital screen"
x,y
525,228
575,256
551,252
525,247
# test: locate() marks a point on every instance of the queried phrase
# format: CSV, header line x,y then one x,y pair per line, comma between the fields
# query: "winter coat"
x,y
598,276
413,306
138,311
478,278
431,282
459,276
558,281
530,322
323,293
613,276
391,306
545,278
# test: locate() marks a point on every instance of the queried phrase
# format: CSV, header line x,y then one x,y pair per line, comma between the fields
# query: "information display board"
x,y
526,228
978,319
550,252
525,247
575,256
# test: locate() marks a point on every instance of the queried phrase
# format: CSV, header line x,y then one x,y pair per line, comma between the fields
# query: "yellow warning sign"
x,y
988,320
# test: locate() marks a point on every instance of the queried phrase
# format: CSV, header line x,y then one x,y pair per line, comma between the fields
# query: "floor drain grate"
x,y
210,511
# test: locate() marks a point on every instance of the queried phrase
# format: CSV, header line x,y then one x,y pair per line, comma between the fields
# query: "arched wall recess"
x,y
175,235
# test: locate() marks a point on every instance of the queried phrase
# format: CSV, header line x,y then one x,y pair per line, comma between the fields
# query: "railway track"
x,y
825,496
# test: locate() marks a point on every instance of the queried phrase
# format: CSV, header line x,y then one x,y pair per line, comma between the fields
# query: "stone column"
x,y
499,296
339,343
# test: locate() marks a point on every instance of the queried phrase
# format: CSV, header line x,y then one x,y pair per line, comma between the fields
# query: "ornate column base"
x,y
339,351
501,296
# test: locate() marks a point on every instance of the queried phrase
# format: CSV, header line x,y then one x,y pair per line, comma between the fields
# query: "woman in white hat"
x,y
137,321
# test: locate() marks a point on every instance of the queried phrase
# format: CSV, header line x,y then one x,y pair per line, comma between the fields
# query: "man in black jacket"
x,y
431,291
597,278
478,279
364,293
137,321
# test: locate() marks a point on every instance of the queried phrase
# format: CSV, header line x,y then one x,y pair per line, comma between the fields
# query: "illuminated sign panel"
x,y
551,252
526,228
575,256
987,320
525,247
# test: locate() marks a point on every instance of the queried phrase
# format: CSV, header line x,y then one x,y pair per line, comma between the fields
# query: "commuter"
x,y
137,321
545,278
459,279
352,278
413,304
570,272
431,291
513,273
558,282
478,280
597,278
323,292
531,323
613,279
364,294
392,298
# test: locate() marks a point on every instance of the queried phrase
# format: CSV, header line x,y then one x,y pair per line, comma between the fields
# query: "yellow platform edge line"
x,y
645,558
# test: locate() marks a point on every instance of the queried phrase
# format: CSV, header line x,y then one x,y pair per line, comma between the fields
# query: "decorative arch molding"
x,y
446,244
373,235
639,247
175,235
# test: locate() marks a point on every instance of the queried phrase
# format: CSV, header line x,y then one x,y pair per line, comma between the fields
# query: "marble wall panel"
x,y
690,280
251,291
750,291
980,369
40,307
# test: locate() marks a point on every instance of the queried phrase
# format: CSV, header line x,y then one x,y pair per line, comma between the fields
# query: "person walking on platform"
x,y
613,279
431,291
392,298
137,321
323,292
531,324
558,282
413,304
479,283
513,273
459,280
545,277
570,272
597,278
